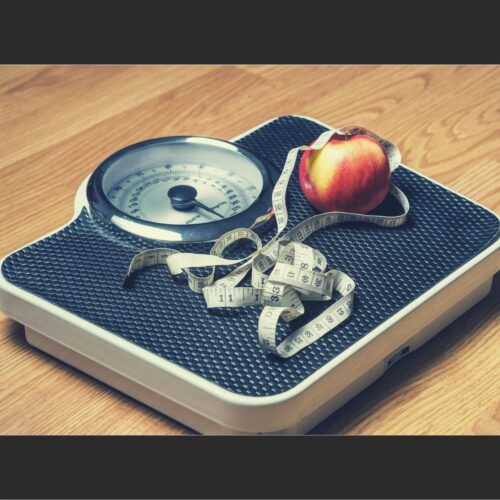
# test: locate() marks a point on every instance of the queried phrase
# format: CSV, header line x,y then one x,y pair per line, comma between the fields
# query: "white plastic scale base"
x,y
340,386
209,409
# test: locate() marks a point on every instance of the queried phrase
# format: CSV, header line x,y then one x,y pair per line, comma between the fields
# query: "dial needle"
x,y
208,209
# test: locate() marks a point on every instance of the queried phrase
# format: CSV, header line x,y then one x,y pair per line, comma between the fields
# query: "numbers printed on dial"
x,y
143,194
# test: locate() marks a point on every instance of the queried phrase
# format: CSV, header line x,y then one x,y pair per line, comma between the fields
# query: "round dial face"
x,y
182,188
218,193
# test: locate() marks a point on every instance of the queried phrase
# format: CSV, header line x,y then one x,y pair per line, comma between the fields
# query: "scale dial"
x,y
182,188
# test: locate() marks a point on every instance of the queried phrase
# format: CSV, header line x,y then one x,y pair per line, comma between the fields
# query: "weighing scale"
x,y
156,340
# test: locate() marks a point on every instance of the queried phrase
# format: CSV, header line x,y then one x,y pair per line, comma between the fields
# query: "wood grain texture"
x,y
58,122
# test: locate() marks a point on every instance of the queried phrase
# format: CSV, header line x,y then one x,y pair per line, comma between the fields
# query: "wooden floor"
x,y
58,123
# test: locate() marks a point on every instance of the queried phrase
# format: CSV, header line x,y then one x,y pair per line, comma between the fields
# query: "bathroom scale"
x,y
90,293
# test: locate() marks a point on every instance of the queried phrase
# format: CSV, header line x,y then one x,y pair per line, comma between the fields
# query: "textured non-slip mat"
x,y
81,267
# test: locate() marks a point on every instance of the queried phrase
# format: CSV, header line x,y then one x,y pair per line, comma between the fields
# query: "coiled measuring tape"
x,y
297,271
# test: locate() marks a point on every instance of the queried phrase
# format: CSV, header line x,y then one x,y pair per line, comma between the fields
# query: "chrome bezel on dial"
x,y
210,231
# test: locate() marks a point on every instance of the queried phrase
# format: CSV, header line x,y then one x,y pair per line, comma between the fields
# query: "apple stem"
x,y
346,134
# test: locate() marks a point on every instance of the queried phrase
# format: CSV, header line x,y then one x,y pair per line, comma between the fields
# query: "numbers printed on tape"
x,y
298,271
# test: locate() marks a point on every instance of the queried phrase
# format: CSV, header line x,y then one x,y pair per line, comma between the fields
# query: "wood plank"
x,y
60,101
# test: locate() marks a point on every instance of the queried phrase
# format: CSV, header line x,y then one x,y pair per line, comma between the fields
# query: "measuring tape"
x,y
297,271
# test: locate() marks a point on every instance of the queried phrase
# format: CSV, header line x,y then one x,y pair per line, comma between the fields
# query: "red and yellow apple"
x,y
350,174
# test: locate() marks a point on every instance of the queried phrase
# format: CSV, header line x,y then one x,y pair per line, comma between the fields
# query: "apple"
x,y
350,174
